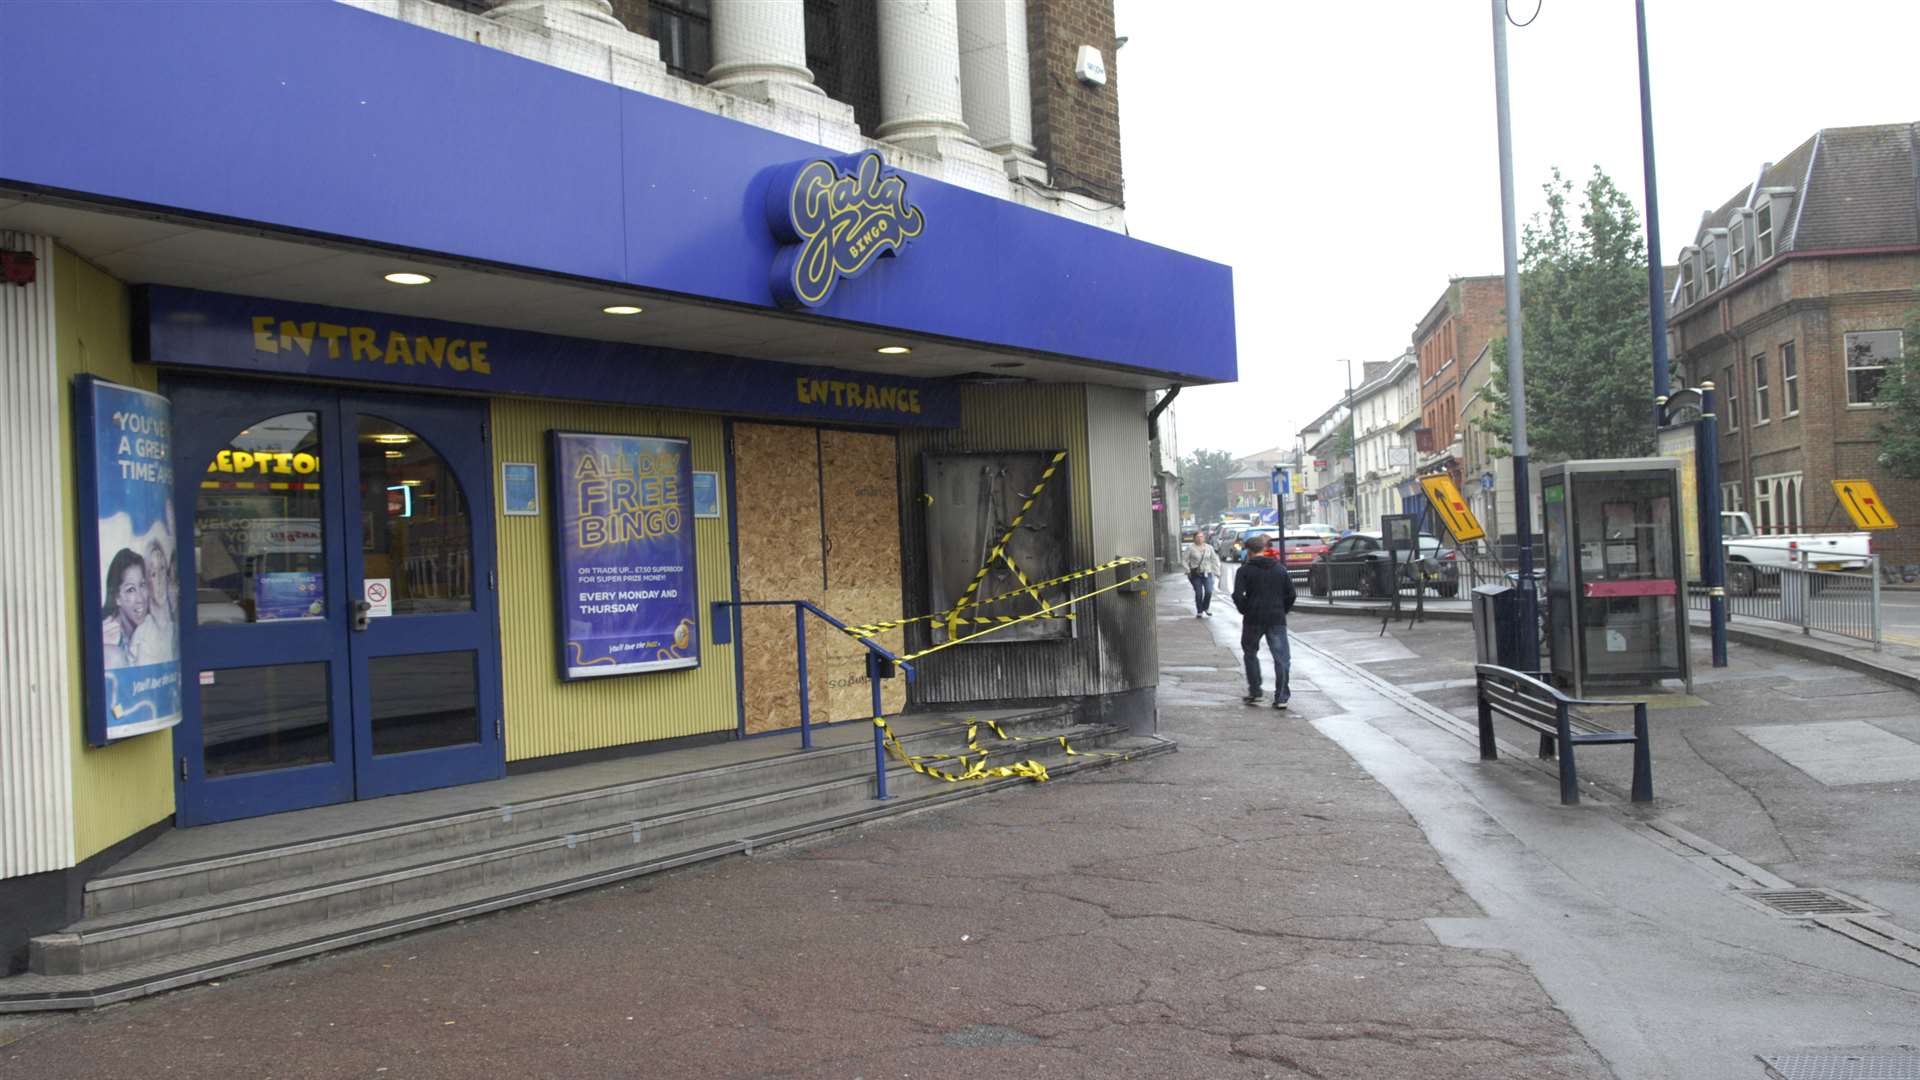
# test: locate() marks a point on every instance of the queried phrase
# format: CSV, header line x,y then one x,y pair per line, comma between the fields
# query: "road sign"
x,y
1863,504
1282,481
1446,502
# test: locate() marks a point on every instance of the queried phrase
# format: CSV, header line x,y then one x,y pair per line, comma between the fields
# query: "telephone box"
x,y
1616,564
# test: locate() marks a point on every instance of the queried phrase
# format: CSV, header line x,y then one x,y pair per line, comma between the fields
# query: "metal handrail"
x,y
880,664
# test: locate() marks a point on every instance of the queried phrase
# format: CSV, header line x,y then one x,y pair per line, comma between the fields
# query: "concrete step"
x,y
119,892
186,963
194,922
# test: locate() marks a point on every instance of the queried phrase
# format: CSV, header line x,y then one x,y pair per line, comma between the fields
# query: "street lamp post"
x,y
1516,377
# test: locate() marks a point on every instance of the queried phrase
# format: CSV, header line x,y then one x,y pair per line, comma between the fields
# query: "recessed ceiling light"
x,y
396,453
408,277
893,350
1008,363
621,309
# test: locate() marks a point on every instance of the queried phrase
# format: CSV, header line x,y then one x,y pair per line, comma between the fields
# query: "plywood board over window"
x,y
777,502
861,492
819,517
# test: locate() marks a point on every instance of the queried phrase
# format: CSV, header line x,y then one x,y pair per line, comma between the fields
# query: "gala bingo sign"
x,y
624,546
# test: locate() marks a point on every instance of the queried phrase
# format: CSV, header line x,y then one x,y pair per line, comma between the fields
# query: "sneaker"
x,y
1281,705
1253,699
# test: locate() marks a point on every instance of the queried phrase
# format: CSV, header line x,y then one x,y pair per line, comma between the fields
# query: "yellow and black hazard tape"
x,y
967,766
867,630
1043,612
970,768
999,549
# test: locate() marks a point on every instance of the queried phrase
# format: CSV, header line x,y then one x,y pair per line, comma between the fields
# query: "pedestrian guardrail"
x,y
1843,603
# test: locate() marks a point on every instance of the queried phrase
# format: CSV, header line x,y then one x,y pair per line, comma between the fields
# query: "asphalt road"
x,y
1900,616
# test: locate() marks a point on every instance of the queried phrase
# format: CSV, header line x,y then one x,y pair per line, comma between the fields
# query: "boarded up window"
x,y
979,507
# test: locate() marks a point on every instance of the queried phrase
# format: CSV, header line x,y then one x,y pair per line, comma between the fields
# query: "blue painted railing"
x,y
881,664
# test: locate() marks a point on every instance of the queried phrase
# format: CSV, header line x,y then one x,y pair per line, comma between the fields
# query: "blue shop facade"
x,y
401,423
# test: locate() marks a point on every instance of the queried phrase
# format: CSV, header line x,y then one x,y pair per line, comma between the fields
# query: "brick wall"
x,y
1076,127
1811,303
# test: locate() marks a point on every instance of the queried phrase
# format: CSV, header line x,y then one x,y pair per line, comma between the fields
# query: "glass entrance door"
x,y
337,604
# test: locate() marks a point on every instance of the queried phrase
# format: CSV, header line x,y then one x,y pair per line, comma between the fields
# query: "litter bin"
x,y
1499,626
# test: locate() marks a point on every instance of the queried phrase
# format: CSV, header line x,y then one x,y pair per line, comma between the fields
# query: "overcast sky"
x,y
1341,156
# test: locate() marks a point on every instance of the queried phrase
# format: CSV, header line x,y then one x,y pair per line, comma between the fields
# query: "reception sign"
x,y
624,558
129,590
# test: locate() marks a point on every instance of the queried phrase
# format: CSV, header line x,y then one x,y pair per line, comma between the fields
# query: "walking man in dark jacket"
x,y
1263,594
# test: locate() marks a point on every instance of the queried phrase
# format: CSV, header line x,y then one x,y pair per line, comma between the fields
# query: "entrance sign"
x,y
1446,502
1863,504
624,584
196,329
130,593
834,220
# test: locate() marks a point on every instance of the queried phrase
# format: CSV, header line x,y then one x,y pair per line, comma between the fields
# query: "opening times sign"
x,y
130,590
624,586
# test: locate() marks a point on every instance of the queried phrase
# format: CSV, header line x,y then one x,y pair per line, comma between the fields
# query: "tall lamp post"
x,y
1516,378
1353,447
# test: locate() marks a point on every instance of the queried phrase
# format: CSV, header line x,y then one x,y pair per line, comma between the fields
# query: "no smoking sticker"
x,y
379,597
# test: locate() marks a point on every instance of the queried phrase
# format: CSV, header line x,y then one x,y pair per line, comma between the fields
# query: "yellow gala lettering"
x,y
430,350
478,350
263,339
457,354
398,351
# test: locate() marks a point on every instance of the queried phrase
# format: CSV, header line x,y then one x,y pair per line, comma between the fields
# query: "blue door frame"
x,y
207,416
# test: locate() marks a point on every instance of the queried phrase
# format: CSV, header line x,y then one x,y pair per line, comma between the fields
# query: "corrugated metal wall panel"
x,y
543,715
1122,490
1012,417
36,798
123,788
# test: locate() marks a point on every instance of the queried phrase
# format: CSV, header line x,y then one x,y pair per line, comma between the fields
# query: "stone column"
x,y
997,99
584,37
920,99
760,41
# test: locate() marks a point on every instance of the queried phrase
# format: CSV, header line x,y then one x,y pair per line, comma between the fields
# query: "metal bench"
x,y
1562,722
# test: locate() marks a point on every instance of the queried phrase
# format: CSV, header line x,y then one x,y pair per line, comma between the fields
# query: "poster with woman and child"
x,y
130,585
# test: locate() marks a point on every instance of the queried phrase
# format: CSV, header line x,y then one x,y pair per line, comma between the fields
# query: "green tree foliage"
x,y
1203,474
1583,301
1900,392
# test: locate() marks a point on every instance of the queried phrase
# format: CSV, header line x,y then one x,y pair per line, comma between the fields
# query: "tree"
x,y
1900,392
1203,474
1583,305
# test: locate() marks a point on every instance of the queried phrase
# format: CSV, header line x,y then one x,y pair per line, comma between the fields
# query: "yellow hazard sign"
x,y
1863,504
1452,509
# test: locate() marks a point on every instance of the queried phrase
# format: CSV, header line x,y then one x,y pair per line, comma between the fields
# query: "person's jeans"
x,y
1276,639
1202,591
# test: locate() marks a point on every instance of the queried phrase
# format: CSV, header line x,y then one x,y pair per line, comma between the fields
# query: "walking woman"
x,y
1203,567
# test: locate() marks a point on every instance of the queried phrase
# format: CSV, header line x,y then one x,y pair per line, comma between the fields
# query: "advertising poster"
x,y
624,575
130,590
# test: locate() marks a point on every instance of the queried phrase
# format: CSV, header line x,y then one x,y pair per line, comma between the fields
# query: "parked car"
x,y
1753,559
1233,542
1300,550
1359,562
1318,528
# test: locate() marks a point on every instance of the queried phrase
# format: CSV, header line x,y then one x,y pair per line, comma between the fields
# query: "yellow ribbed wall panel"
x,y
123,788
543,715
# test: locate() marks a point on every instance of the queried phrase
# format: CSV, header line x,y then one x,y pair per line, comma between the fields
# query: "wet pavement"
x,y
1256,905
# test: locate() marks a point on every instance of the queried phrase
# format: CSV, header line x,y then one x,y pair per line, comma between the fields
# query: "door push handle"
x,y
362,614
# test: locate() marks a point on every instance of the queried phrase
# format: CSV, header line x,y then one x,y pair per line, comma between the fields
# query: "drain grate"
x,y
1805,903
1844,1066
